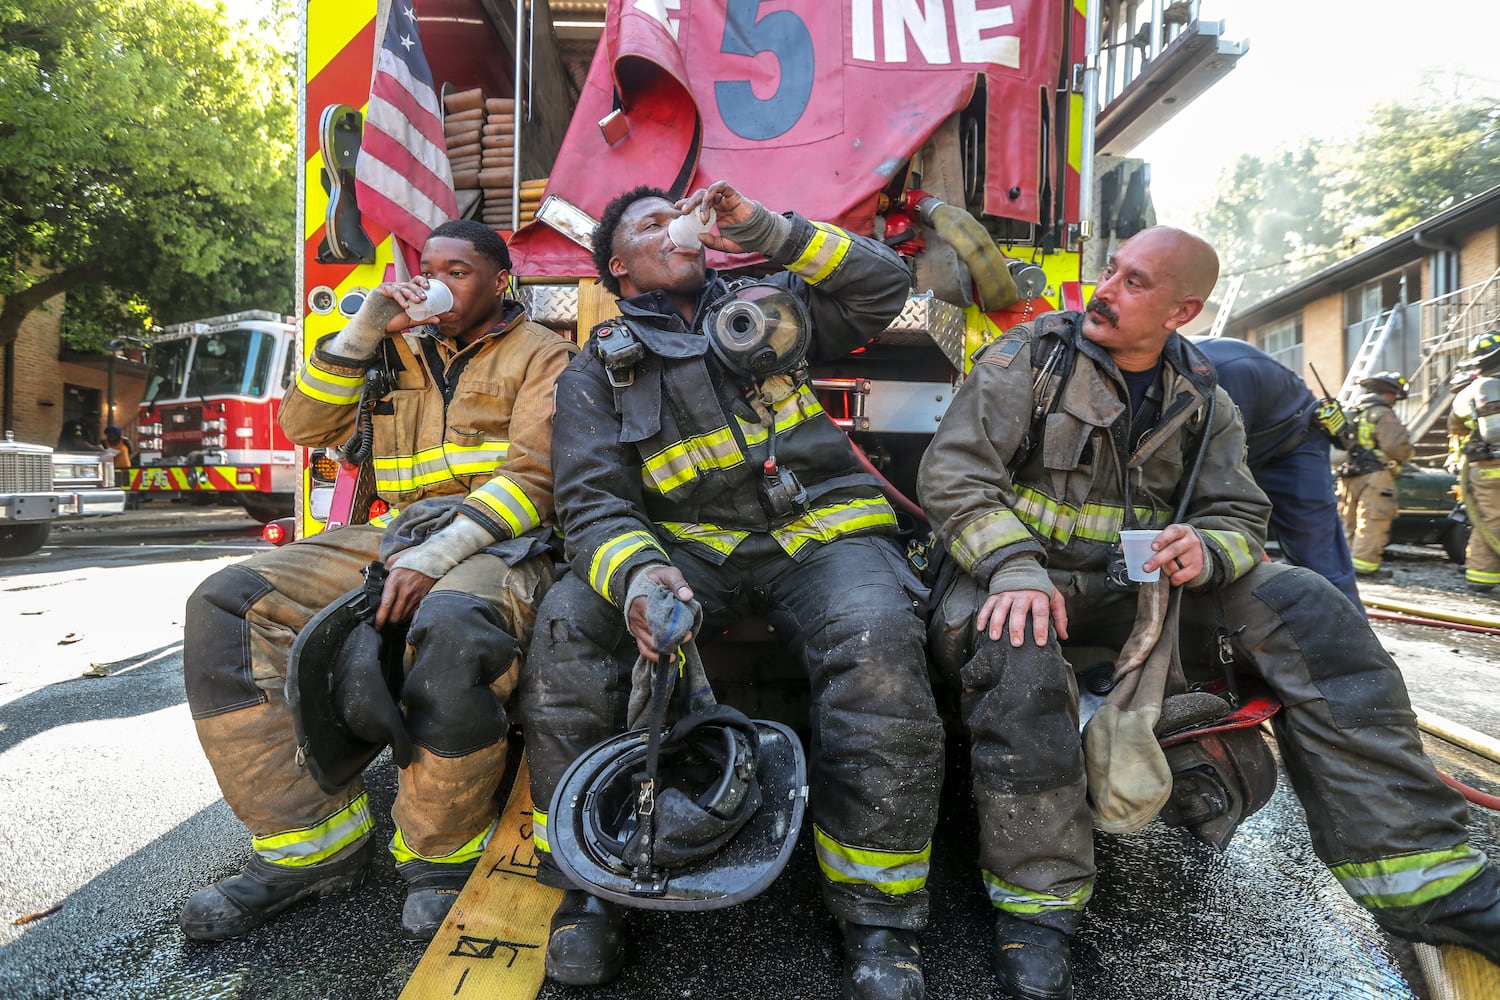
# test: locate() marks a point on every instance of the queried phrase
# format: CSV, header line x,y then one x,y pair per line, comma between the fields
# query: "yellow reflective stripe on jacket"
x,y
892,872
680,463
1411,879
610,556
1060,522
405,473
824,253
988,533
539,831
509,503
313,844
385,520
1235,547
824,524
465,852
724,540
800,407
329,387
1014,899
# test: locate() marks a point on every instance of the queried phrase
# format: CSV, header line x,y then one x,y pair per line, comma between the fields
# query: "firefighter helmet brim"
x,y
343,686
728,835
1393,382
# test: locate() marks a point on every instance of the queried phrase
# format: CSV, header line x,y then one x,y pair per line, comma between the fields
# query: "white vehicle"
x,y
39,485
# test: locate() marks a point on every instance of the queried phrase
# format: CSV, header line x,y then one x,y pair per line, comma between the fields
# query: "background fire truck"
x,y
208,420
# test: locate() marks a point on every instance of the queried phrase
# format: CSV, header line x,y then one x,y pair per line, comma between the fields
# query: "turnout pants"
x,y
241,624
1482,500
1393,834
1367,505
1305,513
876,753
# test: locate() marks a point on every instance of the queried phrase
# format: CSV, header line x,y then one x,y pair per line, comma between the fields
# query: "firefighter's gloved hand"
x,y
363,699
457,541
645,582
765,232
361,338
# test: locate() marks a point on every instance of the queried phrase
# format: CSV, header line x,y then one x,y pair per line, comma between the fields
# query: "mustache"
x,y
1100,309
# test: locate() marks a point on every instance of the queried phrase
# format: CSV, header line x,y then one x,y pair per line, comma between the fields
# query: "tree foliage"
x,y
1282,217
147,162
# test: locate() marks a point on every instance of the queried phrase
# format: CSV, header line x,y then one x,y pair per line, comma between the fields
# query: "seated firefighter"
x,y
692,455
1029,502
459,430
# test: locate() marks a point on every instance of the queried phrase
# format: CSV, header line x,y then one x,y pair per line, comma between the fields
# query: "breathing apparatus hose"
x,y
976,248
894,495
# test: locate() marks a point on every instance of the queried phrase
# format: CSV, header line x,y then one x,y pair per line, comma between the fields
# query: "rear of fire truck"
x,y
207,424
974,137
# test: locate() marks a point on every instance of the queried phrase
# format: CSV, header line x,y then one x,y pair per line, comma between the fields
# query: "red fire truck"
x,y
208,420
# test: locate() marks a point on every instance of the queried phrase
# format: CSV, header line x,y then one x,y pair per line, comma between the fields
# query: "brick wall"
x,y
38,406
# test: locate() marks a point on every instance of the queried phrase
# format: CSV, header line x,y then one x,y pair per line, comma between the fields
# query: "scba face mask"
x,y
758,330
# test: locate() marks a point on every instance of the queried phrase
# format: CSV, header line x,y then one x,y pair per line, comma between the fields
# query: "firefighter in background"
x,y
1288,454
466,416
118,447
1474,432
1367,481
692,457
1036,540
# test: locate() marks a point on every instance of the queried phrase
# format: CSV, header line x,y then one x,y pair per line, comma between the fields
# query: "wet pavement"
x,y
111,815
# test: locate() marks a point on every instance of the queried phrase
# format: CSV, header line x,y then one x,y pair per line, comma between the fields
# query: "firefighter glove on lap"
x,y
455,542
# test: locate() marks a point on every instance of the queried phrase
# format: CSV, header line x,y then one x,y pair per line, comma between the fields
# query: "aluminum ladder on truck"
x,y
1364,358
1221,318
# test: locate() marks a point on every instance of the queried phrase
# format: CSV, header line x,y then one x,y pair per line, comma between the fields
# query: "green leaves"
x,y
147,154
1282,217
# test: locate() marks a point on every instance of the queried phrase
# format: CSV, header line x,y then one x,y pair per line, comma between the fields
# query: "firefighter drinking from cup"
x,y
1367,481
1028,491
456,416
1474,432
691,454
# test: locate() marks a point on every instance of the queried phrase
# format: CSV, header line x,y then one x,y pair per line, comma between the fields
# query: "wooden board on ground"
x,y
493,944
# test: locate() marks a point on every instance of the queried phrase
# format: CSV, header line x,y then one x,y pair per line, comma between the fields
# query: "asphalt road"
x,y
110,818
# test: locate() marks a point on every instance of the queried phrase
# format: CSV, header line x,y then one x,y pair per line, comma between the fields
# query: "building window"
x,y
1282,340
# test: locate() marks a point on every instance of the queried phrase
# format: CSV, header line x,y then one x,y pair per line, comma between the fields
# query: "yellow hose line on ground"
x,y
494,942
1426,611
1455,973
1460,735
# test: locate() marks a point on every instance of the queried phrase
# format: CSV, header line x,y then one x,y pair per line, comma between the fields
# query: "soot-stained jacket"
x,y
1064,503
670,460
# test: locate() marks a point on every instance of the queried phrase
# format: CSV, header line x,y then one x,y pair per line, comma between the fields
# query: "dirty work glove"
x,y
361,338
460,539
765,232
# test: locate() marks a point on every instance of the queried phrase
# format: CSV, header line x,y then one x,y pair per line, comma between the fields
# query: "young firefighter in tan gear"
x,y
1474,430
467,416
1367,482
1033,529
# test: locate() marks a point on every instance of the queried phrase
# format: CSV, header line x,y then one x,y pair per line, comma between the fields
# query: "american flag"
x,y
401,179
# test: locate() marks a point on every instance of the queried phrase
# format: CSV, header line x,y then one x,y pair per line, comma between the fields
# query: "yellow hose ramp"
x,y
494,942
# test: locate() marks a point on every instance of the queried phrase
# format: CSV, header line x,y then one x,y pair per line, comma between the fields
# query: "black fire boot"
x,y
431,890
1467,916
1032,959
585,946
240,903
882,963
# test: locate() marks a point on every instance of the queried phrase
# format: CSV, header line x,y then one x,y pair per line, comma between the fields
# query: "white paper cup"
x,y
1136,544
439,300
685,230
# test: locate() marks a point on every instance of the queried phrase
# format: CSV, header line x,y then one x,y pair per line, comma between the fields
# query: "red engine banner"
x,y
830,98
